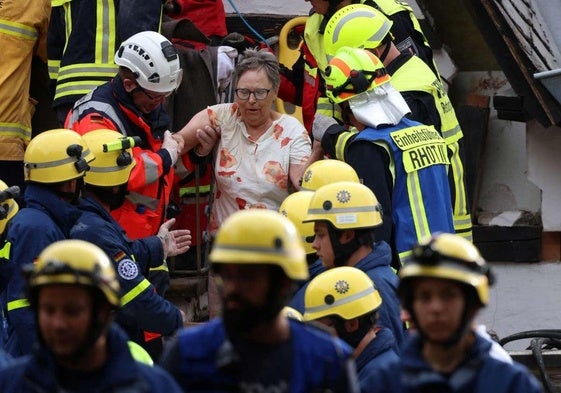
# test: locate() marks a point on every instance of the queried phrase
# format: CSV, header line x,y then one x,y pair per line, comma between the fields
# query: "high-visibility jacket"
x,y
84,36
406,30
45,220
418,164
150,183
415,75
41,372
23,34
141,307
202,360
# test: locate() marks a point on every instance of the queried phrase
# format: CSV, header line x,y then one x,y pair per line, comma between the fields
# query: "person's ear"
x,y
346,236
129,84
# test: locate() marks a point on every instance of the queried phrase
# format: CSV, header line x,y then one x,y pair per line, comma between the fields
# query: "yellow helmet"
x,y
295,207
344,291
260,236
8,205
357,26
353,71
76,262
451,257
55,156
114,160
290,312
346,205
327,171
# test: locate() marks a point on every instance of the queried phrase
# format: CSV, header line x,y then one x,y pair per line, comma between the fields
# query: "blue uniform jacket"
x,y
141,307
297,301
45,220
121,374
479,373
377,266
378,364
320,360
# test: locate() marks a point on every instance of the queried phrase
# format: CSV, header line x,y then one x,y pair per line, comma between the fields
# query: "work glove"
x,y
321,124
174,242
171,145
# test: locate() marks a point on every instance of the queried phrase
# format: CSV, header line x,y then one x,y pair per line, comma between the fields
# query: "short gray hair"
x,y
254,60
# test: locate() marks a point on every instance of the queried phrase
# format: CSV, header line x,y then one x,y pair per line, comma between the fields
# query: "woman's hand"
x,y
207,137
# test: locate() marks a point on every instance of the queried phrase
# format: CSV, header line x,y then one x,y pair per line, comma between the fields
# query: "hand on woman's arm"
x,y
199,131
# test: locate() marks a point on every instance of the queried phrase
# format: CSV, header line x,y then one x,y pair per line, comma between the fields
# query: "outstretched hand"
x,y
174,242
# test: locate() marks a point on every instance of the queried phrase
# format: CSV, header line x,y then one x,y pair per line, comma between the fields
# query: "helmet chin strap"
x,y
341,252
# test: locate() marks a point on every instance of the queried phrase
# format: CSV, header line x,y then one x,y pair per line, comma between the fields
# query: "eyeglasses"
x,y
157,97
259,94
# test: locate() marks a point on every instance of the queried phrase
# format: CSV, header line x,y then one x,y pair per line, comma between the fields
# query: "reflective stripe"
x,y
378,36
346,210
130,295
417,204
193,190
163,267
5,251
85,104
341,144
18,30
105,34
405,256
340,302
53,66
55,163
77,70
150,168
15,129
16,304
139,199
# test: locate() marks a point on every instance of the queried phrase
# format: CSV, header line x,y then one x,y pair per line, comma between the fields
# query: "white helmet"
x,y
153,59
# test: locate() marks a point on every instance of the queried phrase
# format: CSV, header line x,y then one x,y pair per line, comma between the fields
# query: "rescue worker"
x,y
55,163
295,207
142,309
443,287
303,84
73,292
83,37
361,26
345,215
8,209
404,162
132,103
345,299
23,39
257,255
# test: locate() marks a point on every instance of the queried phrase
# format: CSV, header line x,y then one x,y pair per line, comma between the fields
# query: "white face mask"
x,y
382,105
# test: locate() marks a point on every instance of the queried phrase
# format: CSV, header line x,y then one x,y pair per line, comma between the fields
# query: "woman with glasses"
x,y
259,154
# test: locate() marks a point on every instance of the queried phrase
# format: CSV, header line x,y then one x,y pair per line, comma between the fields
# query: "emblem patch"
x,y
127,269
342,287
343,196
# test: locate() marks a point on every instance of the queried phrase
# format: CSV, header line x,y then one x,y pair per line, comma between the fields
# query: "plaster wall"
x,y
505,183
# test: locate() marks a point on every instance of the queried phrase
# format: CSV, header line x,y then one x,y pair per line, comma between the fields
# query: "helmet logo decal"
x,y
342,287
127,269
343,196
